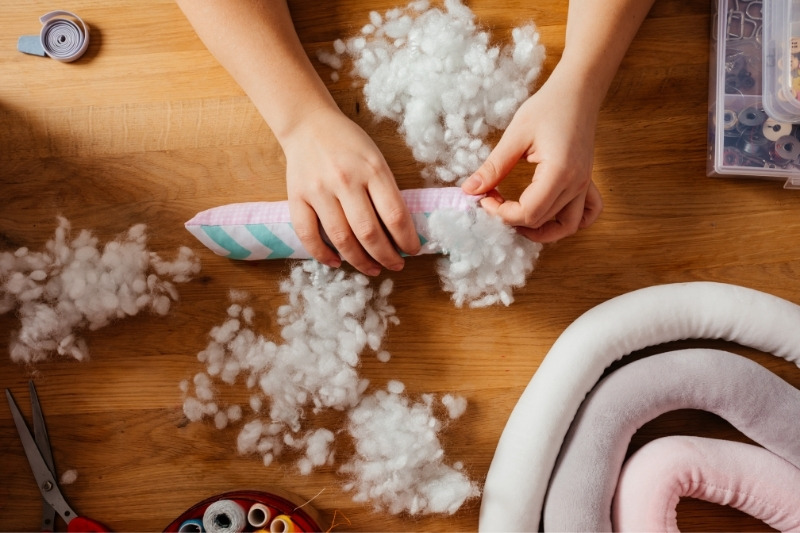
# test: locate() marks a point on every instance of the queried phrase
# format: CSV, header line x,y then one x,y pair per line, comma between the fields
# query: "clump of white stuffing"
x,y
456,405
435,73
331,317
69,477
399,462
484,258
73,284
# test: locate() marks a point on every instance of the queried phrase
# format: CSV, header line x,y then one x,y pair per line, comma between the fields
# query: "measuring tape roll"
x,y
63,39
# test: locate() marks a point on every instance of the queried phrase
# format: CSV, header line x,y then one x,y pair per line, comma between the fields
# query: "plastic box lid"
x,y
781,68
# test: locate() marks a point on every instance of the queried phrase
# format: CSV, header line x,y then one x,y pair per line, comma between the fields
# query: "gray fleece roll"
x,y
754,400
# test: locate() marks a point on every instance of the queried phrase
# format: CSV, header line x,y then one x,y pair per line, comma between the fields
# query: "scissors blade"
x,y
43,475
43,443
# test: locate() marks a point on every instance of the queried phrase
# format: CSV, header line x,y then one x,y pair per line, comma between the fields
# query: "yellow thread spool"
x,y
281,524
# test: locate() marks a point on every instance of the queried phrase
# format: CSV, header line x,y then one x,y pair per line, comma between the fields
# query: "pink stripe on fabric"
x,y
243,213
434,199
417,200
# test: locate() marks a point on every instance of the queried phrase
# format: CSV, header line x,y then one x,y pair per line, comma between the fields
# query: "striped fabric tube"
x,y
263,230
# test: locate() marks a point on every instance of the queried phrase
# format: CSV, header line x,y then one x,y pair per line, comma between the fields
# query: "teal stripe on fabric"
x,y
219,236
280,250
422,242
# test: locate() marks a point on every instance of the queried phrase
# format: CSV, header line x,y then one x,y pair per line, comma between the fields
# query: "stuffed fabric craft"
x,y
263,230
743,476
484,260
517,480
753,399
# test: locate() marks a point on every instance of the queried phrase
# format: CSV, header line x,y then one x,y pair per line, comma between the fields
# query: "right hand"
x,y
337,179
554,129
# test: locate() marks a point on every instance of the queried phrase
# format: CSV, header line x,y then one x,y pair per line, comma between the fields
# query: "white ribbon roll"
x,y
63,39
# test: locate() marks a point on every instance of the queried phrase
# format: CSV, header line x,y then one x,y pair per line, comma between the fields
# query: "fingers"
x,y
579,213
501,160
592,208
364,236
306,226
394,215
565,223
353,229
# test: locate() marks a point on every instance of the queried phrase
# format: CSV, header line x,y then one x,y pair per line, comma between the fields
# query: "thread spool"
x,y
774,130
281,524
191,526
224,516
259,515
785,150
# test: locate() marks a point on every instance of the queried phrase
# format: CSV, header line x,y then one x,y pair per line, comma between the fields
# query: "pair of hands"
x,y
338,179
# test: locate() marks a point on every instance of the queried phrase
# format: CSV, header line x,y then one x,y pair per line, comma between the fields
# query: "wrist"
x,y
578,85
295,123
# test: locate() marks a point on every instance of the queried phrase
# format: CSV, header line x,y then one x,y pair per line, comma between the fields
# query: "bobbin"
x,y
731,157
753,143
752,117
785,150
774,130
729,120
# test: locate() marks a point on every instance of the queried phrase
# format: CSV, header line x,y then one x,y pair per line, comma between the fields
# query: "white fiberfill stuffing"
x,y
331,317
484,259
73,285
435,74
398,464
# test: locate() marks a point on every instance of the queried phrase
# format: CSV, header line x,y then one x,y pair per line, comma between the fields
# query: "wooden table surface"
x,y
148,128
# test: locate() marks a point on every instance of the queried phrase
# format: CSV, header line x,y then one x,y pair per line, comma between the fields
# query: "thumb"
x,y
501,160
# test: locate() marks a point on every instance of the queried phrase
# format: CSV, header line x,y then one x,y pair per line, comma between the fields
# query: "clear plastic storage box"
x,y
754,111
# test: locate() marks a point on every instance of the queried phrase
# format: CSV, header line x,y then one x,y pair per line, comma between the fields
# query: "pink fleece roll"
x,y
745,477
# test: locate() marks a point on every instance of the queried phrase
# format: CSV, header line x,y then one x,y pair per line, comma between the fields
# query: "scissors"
x,y
40,458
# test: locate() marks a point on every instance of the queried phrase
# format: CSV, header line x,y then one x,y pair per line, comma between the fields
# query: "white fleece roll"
x,y
517,480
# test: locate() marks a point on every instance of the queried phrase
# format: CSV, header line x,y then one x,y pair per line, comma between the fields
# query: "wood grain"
x,y
148,128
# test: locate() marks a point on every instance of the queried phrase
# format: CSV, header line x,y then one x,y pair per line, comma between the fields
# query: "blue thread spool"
x,y
191,526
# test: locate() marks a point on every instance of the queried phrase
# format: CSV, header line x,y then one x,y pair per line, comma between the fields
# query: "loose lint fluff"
x,y
435,73
399,462
74,284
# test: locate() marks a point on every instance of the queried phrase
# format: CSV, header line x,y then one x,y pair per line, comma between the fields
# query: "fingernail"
x,y
472,184
373,271
397,267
